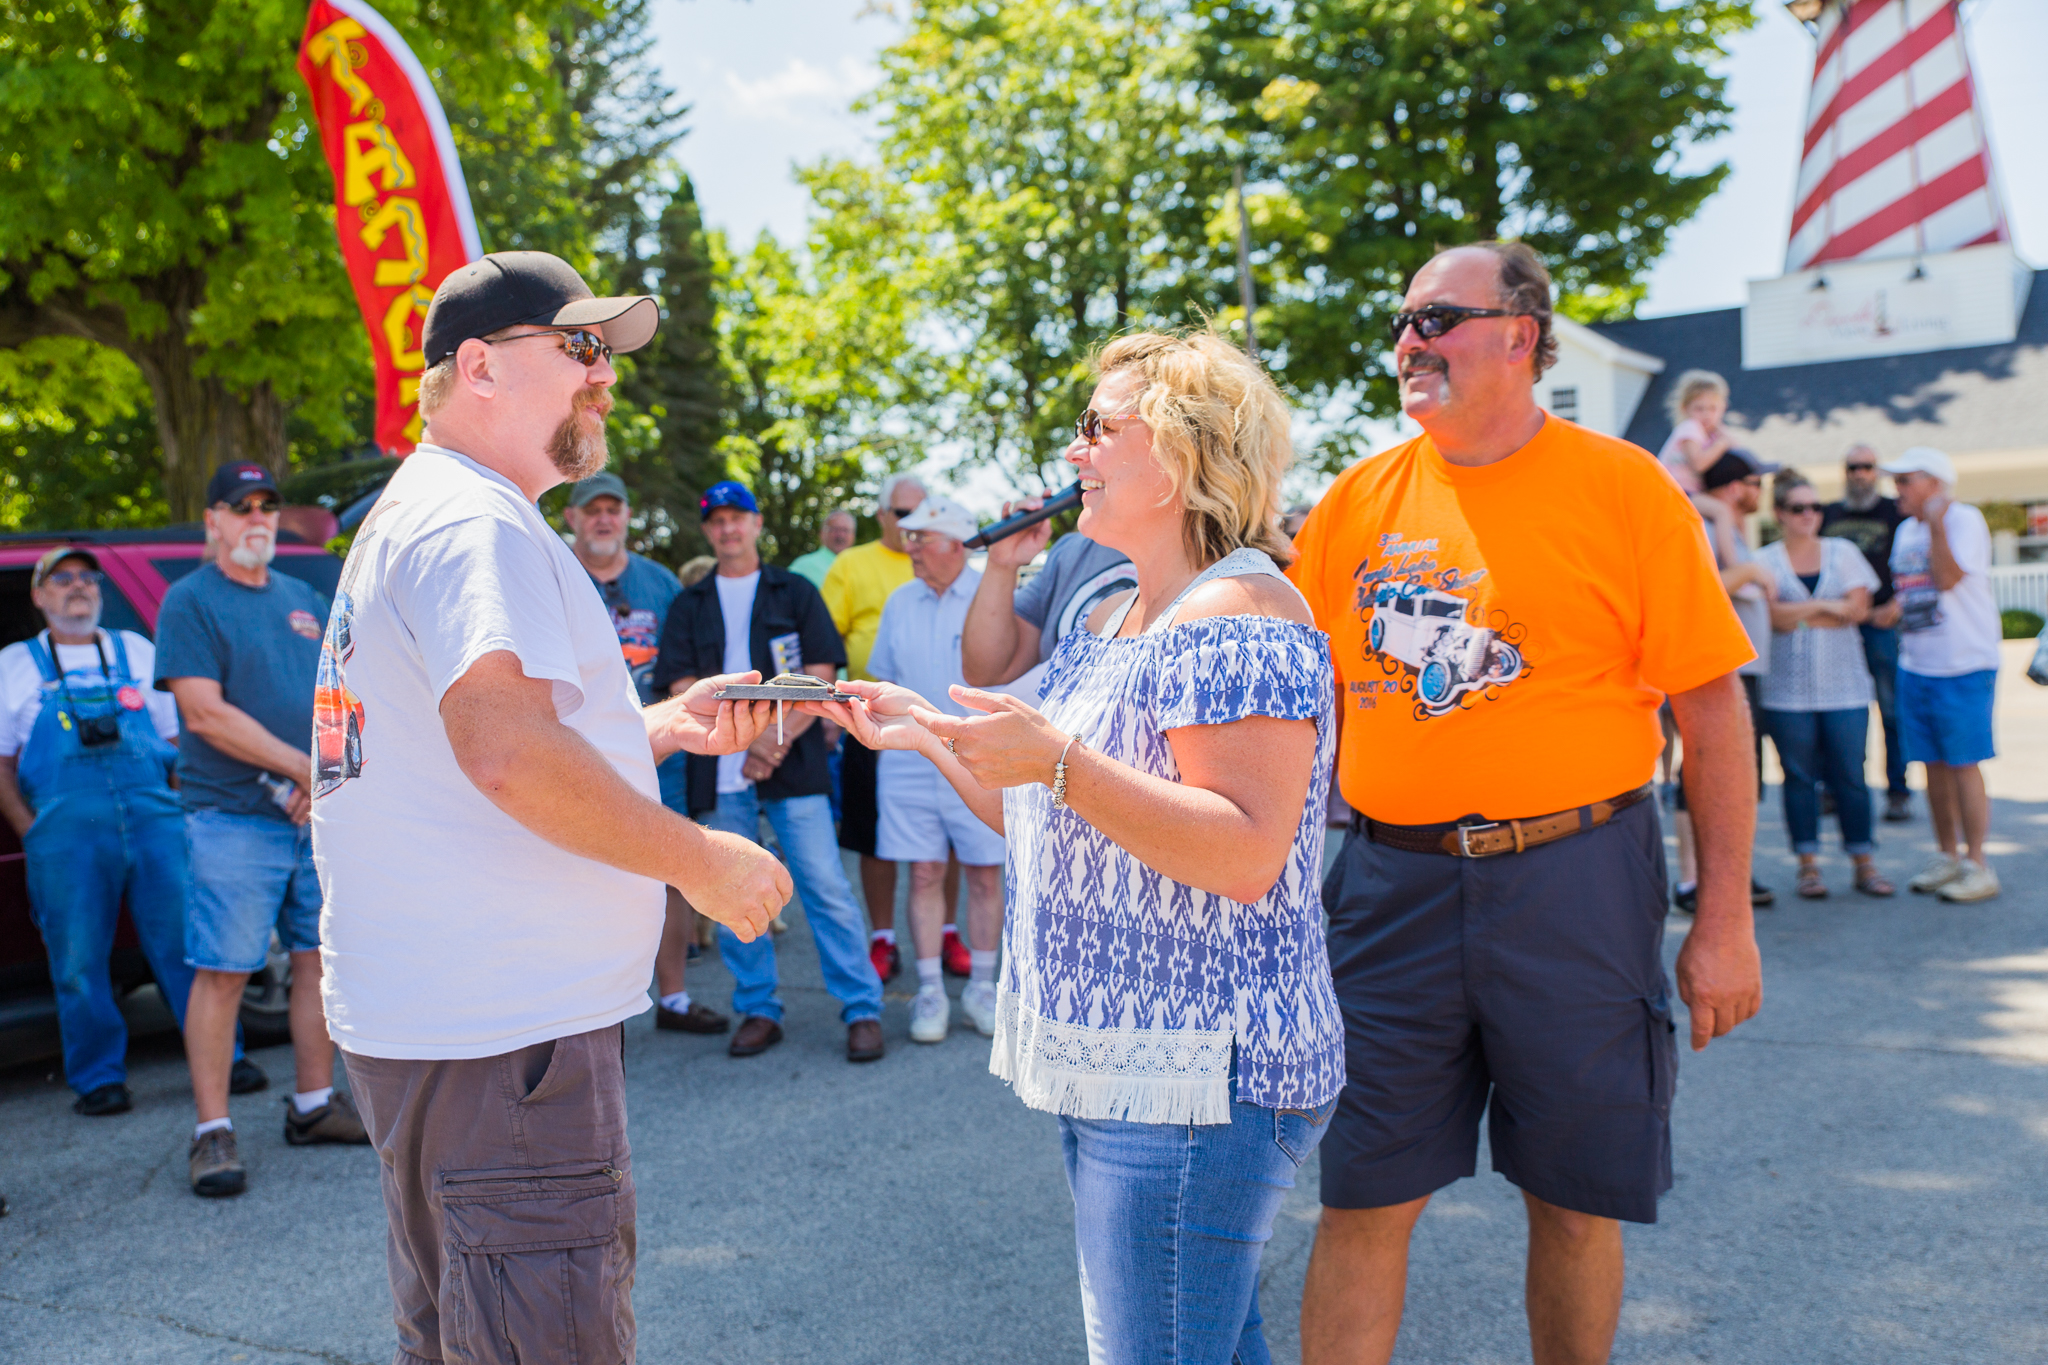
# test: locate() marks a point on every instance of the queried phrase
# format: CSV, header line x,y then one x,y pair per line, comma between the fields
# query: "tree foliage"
x,y
1390,128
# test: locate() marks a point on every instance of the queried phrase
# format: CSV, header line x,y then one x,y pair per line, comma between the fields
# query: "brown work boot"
x,y
334,1121
757,1033
699,1018
216,1165
864,1040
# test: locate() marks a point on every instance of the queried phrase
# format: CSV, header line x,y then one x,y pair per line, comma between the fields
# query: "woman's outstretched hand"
x,y
1011,745
883,720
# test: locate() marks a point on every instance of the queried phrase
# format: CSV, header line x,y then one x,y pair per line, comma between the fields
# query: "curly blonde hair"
x,y
1691,385
1219,430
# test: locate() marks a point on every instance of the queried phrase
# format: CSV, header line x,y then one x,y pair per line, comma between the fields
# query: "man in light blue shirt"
x,y
917,645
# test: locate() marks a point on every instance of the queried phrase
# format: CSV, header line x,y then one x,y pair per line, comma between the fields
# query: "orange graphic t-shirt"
x,y
1504,634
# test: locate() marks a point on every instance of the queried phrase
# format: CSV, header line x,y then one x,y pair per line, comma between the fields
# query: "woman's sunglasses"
x,y
585,348
1089,425
1798,509
1436,319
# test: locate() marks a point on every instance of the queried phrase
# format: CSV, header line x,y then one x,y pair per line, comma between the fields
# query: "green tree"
x,y
1060,182
1389,128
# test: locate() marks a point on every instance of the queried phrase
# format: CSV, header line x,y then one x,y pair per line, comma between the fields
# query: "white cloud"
x,y
791,94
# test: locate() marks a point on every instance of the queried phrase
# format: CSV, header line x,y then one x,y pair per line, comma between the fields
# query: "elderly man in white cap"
x,y
922,817
1948,665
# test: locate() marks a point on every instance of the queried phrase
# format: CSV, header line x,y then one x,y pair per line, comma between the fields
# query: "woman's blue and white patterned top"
x,y
1123,991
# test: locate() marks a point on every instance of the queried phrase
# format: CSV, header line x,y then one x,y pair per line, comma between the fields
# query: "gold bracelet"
x,y
1059,777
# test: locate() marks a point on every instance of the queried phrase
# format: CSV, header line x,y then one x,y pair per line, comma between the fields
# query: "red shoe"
x,y
886,959
953,954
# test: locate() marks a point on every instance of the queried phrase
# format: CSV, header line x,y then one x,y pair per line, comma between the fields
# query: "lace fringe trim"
x,y
1136,1075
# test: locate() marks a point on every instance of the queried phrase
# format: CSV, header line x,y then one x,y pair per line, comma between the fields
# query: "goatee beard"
x,y
77,625
254,556
578,451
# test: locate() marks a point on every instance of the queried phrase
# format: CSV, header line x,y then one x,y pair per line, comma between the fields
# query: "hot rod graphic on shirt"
x,y
1425,630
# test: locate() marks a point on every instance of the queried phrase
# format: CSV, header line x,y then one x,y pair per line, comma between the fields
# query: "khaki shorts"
x,y
509,1189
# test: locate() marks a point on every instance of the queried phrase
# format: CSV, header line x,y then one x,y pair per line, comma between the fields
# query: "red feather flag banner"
x,y
401,208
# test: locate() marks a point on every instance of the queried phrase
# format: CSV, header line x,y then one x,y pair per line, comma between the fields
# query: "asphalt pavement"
x,y
1858,1177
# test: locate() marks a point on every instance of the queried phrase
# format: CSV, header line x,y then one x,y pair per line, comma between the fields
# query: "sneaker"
x,y
885,957
978,1003
1939,872
930,1015
699,1018
102,1100
1974,882
1761,895
246,1078
1898,808
953,954
216,1165
334,1121
1686,902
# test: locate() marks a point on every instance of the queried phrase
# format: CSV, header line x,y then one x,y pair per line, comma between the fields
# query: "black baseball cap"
x,y
514,288
233,482
1734,467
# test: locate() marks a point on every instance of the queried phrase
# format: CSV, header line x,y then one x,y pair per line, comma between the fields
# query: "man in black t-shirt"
x,y
1867,519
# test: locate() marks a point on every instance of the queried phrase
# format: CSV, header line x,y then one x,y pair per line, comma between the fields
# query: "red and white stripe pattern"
x,y
1895,162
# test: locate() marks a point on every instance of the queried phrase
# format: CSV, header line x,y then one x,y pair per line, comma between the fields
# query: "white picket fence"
x,y
2023,586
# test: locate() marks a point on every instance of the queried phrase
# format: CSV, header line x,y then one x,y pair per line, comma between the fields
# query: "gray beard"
x,y
603,549
1864,503
250,557
77,625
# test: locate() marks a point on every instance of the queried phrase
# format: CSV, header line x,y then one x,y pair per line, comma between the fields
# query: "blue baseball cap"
x,y
726,494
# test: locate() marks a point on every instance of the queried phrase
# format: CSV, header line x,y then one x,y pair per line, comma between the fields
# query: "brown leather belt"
x,y
1490,838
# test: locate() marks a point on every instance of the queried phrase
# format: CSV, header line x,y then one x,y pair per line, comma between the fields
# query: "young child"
x,y
1699,400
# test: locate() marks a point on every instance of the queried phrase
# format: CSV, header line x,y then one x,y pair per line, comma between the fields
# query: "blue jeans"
x,y
249,874
84,855
1170,1221
1881,653
1817,747
803,825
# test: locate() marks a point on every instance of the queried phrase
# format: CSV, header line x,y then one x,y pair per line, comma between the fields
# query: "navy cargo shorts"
x,y
1528,986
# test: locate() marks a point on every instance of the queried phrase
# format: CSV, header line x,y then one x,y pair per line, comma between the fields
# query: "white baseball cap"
x,y
1923,460
943,515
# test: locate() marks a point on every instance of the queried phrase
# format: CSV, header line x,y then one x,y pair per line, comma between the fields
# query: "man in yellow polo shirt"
x,y
855,588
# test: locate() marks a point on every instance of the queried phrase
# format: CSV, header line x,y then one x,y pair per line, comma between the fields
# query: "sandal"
x,y
1811,886
1871,882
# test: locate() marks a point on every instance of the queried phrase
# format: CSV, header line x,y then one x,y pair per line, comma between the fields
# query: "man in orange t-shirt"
x,y
1509,598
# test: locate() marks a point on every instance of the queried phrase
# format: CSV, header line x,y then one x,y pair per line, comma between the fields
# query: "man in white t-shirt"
x,y
85,754
491,845
1948,665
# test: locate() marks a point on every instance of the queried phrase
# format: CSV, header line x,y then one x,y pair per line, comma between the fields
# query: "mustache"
x,y
1424,363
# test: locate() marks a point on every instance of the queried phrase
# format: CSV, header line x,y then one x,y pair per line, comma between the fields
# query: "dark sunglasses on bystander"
x,y
585,348
1088,426
65,578
1434,320
254,504
1798,509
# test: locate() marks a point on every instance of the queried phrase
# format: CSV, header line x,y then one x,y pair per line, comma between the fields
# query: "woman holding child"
x,y
1165,989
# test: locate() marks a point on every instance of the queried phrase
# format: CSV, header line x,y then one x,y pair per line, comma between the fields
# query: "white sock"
x,y
984,964
210,1126
679,1002
306,1101
887,936
1684,887
952,931
929,975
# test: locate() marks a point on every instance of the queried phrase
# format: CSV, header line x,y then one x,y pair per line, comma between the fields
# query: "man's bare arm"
x,y
1720,975
1942,565
13,805
228,728
509,742
996,644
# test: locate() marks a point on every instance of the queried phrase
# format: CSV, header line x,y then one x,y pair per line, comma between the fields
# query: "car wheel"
x,y
266,1000
1434,684
1377,633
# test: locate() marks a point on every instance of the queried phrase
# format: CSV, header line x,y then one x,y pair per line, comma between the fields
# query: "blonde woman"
x,y
1165,988
1699,438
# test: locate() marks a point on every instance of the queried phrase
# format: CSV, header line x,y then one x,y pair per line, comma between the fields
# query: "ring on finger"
x,y
951,750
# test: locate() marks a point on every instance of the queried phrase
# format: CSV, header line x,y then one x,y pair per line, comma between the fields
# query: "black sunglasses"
x,y
1861,468
901,512
585,348
64,578
1435,319
1794,509
254,504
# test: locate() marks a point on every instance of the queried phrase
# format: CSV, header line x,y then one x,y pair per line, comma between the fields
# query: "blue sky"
x,y
770,82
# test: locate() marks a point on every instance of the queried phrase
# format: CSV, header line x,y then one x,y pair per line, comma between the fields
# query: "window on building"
x,y
1565,403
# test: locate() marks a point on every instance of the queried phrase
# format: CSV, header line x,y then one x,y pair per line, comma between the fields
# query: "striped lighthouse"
x,y
1894,161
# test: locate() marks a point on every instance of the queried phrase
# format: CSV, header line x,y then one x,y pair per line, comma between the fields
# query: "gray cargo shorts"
x,y
509,1189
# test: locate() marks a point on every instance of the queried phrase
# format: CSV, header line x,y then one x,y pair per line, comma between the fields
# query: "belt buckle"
x,y
1465,833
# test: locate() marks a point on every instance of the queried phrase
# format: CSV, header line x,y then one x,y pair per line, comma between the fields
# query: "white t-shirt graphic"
x,y
451,930
1945,634
736,605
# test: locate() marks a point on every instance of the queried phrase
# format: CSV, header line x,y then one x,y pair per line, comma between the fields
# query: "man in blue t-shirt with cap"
x,y
239,647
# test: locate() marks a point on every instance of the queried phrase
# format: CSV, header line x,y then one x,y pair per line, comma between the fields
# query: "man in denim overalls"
x,y
85,781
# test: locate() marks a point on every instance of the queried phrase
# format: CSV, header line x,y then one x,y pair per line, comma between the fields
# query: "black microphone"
x,y
1011,525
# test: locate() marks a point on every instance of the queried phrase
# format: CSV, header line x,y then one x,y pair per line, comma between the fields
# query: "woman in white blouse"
x,y
1165,986
1816,698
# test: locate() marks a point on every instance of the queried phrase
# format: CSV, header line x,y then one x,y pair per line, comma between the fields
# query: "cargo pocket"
x,y
539,1265
1297,1131
1663,1055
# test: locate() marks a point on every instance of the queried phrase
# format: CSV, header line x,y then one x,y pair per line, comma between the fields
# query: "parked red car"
x,y
138,566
